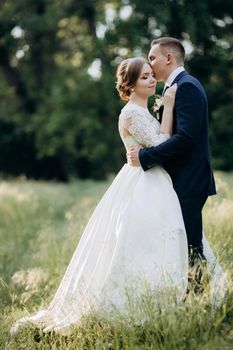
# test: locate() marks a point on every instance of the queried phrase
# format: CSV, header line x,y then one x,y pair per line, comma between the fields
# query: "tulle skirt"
x,y
134,241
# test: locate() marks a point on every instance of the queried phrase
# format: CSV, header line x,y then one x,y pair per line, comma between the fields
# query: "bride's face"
x,y
145,85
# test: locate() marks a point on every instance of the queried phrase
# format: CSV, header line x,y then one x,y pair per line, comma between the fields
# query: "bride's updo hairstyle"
x,y
127,75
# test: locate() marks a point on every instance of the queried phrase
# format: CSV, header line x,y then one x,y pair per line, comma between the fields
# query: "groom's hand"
x,y
133,156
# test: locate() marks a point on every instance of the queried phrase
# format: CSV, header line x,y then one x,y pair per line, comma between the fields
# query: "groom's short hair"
x,y
174,45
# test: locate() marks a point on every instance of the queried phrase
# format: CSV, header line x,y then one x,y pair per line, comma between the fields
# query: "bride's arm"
x,y
133,122
167,119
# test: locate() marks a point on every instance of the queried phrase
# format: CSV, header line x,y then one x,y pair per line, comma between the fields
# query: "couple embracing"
x,y
147,228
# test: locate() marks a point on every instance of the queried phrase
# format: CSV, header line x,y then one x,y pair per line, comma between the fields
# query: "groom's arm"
x,y
190,105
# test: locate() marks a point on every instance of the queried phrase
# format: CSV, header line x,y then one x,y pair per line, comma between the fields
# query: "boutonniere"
x,y
158,103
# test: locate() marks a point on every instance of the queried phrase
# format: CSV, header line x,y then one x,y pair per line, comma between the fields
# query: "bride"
x,y
136,235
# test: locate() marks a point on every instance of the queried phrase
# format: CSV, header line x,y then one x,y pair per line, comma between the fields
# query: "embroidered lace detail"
x,y
138,127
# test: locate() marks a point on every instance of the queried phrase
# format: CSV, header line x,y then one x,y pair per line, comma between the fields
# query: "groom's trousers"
x,y
192,215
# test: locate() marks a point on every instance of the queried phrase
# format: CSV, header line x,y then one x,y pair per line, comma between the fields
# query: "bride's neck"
x,y
138,100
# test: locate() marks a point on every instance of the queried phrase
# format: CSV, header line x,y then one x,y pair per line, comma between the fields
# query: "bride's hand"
x,y
169,96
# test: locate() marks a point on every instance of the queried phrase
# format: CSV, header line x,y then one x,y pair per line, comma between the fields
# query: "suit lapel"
x,y
179,76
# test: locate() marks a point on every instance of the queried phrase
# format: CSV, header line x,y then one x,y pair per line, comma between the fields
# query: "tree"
x,y
59,106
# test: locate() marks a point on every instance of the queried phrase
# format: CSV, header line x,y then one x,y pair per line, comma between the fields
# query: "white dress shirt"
x,y
172,77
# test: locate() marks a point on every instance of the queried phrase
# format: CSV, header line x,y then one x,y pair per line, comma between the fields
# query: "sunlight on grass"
x,y
40,226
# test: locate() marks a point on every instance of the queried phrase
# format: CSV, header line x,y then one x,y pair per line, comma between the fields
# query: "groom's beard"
x,y
159,80
161,76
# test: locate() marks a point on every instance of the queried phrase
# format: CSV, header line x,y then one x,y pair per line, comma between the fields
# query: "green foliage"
x,y
222,140
61,119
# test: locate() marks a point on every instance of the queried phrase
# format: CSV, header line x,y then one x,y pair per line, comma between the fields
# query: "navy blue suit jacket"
x,y
186,155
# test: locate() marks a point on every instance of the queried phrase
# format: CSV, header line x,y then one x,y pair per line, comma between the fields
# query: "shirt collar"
x,y
173,75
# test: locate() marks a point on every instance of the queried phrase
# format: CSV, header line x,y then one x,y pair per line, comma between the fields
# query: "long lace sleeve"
x,y
139,123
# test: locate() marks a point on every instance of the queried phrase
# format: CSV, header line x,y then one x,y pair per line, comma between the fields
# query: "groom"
x,y
186,155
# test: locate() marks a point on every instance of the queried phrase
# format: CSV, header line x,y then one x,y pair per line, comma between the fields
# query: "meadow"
x,y
40,226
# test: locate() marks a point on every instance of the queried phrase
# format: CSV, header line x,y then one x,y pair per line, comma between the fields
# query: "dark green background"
x,y
56,120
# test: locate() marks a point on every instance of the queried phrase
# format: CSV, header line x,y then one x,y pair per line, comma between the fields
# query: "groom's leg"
x,y
192,215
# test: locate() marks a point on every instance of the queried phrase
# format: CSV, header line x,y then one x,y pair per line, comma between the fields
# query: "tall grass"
x,y
40,226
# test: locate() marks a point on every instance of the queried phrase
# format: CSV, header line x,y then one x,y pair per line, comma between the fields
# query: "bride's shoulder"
x,y
132,110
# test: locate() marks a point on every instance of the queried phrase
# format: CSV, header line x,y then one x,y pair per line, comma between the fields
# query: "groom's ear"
x,y
170,58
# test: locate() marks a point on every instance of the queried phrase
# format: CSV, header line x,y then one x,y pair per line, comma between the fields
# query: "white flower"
x,y
158,103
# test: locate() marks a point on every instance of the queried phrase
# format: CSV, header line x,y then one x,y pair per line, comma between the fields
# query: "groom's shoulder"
x,y
190,79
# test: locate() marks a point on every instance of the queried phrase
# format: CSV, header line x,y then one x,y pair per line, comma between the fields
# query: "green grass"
x,y
40,226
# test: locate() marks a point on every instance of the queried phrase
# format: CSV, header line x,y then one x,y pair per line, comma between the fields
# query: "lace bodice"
x,y
138,128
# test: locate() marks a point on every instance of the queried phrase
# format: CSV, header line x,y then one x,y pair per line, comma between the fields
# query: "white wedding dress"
x,y
135,238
